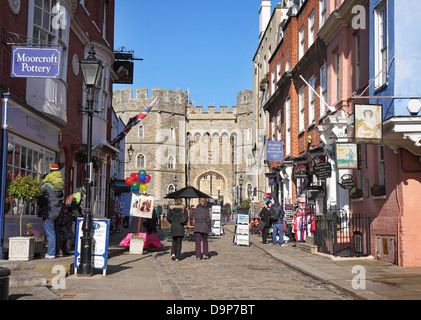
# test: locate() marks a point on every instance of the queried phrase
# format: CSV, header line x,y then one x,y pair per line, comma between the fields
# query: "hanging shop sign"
x,y
368,123
300,172
275,151
36,62
321,168
124,71
346,156
347,182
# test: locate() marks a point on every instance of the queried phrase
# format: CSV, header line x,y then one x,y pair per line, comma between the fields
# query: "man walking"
x,y
278,226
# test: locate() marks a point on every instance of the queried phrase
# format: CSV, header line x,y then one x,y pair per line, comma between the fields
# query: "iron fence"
x,y
343,235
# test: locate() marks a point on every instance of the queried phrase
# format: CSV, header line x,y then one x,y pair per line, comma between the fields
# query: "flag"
x,y
133,121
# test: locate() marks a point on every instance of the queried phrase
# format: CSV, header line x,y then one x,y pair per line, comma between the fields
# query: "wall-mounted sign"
x,y
36,62
347,182
300,172
346,156
322,170
368,124
124,70
275,151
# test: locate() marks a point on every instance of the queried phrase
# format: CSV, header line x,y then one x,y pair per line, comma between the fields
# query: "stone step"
x,y
307,247
26,278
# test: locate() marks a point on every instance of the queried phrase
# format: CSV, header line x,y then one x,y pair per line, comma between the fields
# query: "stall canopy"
x,y
187,192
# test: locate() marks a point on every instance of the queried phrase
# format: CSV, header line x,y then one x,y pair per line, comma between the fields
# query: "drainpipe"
x,y
3,170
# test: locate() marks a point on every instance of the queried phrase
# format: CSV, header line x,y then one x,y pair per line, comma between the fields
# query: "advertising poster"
x,y
141,206
368,124
346,156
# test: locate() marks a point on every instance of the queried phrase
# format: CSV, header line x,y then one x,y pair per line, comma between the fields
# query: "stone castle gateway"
x,y
179,144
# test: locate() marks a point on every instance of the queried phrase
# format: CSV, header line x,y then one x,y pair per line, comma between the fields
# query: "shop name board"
x,y
323,170
300,173
275,151
36,62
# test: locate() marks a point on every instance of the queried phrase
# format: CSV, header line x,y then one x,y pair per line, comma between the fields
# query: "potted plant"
x,y
356,193
136,244
81,156
27,190
378,190
96,161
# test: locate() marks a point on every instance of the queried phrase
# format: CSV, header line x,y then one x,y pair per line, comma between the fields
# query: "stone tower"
x,y
206,149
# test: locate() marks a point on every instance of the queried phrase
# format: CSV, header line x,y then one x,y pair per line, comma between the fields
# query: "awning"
x,y
119,186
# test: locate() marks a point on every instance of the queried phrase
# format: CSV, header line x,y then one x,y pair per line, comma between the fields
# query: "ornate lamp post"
x,y
240,180
175,180
92,73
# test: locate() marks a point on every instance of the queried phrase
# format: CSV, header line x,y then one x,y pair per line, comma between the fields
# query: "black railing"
x,y
343,235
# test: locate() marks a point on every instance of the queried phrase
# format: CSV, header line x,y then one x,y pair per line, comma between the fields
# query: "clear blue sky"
x,y
204,46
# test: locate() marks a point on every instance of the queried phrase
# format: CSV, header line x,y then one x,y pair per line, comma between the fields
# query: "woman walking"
x,y
178,217
202,227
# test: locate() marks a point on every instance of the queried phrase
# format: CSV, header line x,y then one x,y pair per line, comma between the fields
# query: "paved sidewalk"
x,y
363,278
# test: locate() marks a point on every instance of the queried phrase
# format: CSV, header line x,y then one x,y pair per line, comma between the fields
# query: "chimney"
x,y
264,16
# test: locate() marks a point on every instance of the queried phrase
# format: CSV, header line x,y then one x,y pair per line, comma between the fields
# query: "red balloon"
x,y
148,178
132,175
136,177
129,181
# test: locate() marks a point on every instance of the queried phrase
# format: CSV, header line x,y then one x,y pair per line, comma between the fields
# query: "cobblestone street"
x,y
236,272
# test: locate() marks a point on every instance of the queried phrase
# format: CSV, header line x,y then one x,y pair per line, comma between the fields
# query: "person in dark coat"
x,y
202,227
178,217
265,217
50,203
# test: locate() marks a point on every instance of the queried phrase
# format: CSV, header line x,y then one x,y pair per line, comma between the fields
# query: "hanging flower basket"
x,y
81,156
96,161
377,190
356,193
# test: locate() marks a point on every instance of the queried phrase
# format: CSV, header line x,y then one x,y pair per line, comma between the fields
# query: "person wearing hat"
x,y
50,204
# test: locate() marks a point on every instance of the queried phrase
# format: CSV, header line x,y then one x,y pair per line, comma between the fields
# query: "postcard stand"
x,y
216,221
242,231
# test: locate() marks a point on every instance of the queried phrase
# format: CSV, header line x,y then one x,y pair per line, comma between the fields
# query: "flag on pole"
x,y
133,121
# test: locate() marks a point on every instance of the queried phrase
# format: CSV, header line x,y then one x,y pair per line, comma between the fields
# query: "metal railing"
x,y
343,235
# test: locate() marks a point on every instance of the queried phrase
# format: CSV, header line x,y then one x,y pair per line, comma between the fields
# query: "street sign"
x,y
275,151
36,62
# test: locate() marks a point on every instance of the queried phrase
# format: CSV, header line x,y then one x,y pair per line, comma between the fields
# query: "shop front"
x,y
32,146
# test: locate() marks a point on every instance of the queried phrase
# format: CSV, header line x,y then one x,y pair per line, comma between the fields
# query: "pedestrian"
x,y
265,217
223,215
202,227
50,203
278,226
178,217
228,211
76,202
64,230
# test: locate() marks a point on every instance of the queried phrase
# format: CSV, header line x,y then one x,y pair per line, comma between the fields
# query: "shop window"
x,y
99,191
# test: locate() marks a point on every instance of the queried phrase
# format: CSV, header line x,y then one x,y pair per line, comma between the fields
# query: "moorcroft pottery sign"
x,y
36,62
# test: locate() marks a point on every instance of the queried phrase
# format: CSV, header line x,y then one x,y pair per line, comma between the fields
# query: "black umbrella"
x,y
187,192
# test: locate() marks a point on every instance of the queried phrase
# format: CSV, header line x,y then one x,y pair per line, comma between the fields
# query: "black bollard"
x,y
4,283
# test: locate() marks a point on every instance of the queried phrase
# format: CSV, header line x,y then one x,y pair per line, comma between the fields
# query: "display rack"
x,y
242,230
217,229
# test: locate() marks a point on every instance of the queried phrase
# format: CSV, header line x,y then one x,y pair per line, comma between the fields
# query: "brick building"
x,y
45,122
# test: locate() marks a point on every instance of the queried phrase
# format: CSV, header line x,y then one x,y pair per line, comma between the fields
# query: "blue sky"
x,y
204,46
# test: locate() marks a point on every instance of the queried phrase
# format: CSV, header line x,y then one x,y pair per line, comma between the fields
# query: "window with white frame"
x,y
272,128
322,13
337,77
311,101
301,110
288,125
278,70
272,83
323,89
43,29
301,43
381,40
278,125
382,172
99,191
103,101
140,161
310,29
357,61
287,66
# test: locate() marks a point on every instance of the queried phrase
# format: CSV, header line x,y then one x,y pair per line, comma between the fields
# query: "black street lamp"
x,y
175,180
240,180
92,73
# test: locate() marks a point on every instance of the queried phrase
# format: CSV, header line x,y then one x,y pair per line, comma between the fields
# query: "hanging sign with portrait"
x,y
346,156
368,123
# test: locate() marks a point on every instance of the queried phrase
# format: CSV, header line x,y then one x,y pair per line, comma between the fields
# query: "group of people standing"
x,y
58,218
179,216
270,210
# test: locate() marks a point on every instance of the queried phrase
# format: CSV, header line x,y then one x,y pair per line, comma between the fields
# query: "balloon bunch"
x,y
138,181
